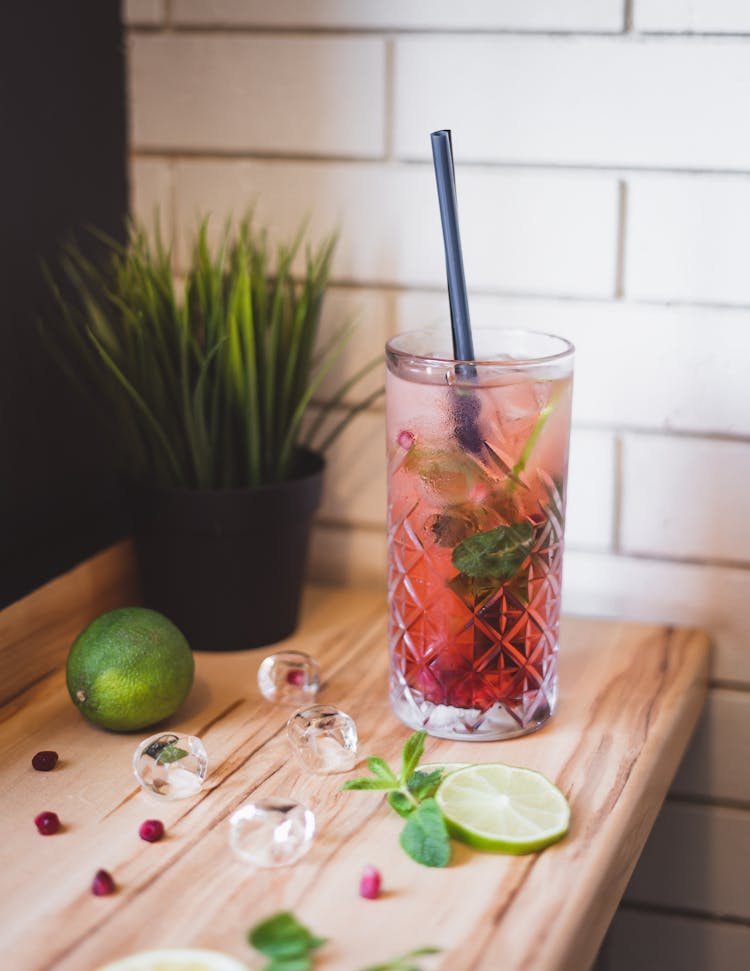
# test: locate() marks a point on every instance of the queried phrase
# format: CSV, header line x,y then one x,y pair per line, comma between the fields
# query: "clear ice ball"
x,y
289,677
323,738
171,766
271,832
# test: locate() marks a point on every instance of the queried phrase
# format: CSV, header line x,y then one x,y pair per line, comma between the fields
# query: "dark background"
x,y
62,167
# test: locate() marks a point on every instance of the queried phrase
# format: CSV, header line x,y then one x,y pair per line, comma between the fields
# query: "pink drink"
x,y
477,465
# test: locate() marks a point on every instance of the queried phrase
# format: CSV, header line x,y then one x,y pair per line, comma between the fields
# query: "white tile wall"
x,y
583,101
705,771
695,16
688,238
696,859
514,225
655,942
684,497
151,195
585,15
710,597
143,12
212,93
637,366
591,490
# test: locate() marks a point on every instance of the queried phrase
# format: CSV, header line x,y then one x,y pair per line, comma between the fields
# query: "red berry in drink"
x,y
44,761
102,884
369,885
151,830
47,823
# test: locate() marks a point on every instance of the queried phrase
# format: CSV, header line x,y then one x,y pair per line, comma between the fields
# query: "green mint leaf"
x,y
425,836
401,803
282,937
381,769
171,753
411,754
497,552
422,785
303,963
403,961
369,784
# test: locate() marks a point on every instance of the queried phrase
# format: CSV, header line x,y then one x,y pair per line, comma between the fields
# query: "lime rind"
x,y
503,808
176,959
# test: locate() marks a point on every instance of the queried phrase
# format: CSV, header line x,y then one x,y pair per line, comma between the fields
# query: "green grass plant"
x,y
210,387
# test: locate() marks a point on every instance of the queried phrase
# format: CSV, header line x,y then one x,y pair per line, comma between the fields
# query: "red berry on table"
x,y
102,884
151,830
44,761
47,823
369,885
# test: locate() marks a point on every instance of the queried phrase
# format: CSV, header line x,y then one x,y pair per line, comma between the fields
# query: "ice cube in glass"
x,y
271,832
289,677
323,738
170,765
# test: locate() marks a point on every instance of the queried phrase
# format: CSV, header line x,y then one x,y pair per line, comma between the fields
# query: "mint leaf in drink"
x,y
411,754
425,836
497,552
285,941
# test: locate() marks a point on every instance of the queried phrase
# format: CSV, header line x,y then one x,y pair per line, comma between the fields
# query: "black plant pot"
x,y
227,565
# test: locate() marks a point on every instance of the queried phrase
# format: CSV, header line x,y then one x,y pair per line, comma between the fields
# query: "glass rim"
x,y
567,351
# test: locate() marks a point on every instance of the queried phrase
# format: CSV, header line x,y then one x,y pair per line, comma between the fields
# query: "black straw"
x,y
442,154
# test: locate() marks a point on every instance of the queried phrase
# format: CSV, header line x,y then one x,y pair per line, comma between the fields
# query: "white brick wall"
x,y
603,167
692,16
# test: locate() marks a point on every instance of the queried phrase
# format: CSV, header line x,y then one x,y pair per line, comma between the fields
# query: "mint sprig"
x,y
409,793
285,942
288,945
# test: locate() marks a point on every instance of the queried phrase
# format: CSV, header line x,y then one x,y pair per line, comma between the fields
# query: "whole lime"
x,y
129,668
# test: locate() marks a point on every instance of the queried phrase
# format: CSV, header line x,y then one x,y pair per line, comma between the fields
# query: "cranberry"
x,y
296,676
369,885
102,884
44,761
151,830
47,823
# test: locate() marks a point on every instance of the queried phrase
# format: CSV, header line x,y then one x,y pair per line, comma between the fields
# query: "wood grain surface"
x,y
630,697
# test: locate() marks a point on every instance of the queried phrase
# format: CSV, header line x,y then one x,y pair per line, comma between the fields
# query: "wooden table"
x,y
630,697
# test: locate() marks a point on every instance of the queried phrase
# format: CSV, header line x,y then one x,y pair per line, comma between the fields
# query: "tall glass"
x,y
477,469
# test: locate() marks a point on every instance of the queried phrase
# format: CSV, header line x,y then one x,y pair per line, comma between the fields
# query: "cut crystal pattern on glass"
x,y
482,665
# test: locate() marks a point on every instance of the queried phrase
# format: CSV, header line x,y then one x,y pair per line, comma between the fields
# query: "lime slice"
x,y
502,808
177,959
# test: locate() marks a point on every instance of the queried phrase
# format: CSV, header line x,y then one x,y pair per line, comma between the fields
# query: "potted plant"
x,y
207,396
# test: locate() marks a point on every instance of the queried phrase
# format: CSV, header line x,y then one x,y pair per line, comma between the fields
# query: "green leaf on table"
x,y
425,836
368,784
411,754
497,552
422,785
404,962
282,938
380,768
401,803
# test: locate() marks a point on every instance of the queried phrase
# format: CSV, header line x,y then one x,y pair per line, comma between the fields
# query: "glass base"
x,y
529,713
